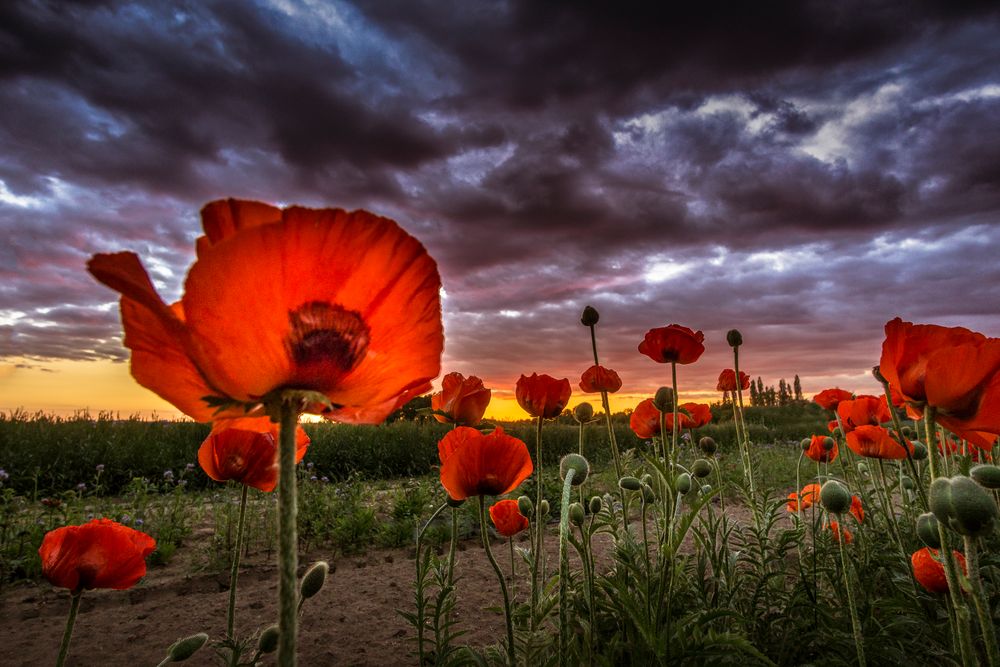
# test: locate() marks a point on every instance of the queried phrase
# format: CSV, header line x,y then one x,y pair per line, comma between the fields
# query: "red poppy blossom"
x,y
875,442
542,395
829,399
473,464
673,344
598,378
817,452
857,510
929,571
463,399
98,554
244,456
645,419
508,518
951,368
838,531
863,410
698,414
804,499
342,303
832,426
727,380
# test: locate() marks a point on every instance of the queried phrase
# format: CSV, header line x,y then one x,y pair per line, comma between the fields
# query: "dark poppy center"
x,y
325,342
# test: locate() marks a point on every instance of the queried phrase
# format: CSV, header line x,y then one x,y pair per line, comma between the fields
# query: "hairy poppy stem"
x,y
234,573
855,623
537,555
451,547
675,434
74,607
979,599
564,568
288,552
899,432
500,577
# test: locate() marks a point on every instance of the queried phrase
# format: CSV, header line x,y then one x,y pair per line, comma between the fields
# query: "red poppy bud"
x,y
463,400
507,518
542,395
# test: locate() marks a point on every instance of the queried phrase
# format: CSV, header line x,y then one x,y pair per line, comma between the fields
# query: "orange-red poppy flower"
x,y
829,399
804,499
542,395
645,419
727,380
698,414
929,571
247,457
474,464
832,426
674,343
818,452
346,304
598,378
951,368
877,443
863,410
462,399
857,510
98,554
507,518
838,531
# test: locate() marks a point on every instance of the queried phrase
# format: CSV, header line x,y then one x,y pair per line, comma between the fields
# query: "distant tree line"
x,y
761,396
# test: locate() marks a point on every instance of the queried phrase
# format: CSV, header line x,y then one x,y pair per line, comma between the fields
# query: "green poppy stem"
x,y
537,556
74,607
676,430
234,574
451,547
500,578
982,607
288,555
420,592
564,568
855,623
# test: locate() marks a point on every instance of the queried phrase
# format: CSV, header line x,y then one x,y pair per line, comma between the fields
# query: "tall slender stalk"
x,y
288,553
500,577
234,573
538,555
74,607
564,568
982,607
855,624
420,592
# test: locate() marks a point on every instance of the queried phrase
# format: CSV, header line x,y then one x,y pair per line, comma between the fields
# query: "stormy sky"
x,y
804,171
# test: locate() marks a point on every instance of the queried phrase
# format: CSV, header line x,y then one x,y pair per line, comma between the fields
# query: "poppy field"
x,y
866,535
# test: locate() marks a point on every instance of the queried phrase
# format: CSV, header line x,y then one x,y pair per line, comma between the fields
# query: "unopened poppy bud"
x,y
683,483
877,374
647,479
268,642
647,494
862,467
313,579
907,432
590,316
630,483
183,649
545,507
596,504
908,484
584,412
455,503
708,445
919,450
828,443
701,468
576,514
805,444
986,475
734,338
576,463
835,497
927,530
939,499
663,400
837,433
706,489
975,510
525,506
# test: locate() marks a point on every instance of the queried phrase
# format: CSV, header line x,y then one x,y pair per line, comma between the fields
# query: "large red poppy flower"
x,y
473,464
598,378
645,419
804,499
508,518
877,443
346,304
951,368
462,399
674,343
99,554
245,456
817,452
929,571
727,380
829,399
542,395
863,410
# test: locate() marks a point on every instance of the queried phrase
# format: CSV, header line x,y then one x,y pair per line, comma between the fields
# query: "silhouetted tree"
x,y
798,388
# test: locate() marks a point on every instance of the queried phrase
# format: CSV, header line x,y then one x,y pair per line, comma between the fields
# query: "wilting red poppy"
x,y
951,368
804,499
727,380
877,443
247,457
837,531
473,464
929,571
645,419
863,410
598,378
857,510
463,399
674,343
346,304
818,452
508,518
829,399
542,395
98,554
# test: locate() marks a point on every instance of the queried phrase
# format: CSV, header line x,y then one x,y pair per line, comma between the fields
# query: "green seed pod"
x,y
664,399
734,338
975,510
576,514
647,479
583,412
183,649
940,500
708,446
805,443
313,579
545,507
701,468
453,503
706,489
828,443
919,450
268,642
576,463
837,433
927,530
907,432
525,506
683,483
590,316
647,494
986,475
908,484
835,497
630,483
596,504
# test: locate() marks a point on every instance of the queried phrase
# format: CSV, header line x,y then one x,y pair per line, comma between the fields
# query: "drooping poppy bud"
x,y
835,497
701,468
313,579
576,514
927,530
663,400
579,466
708,445
683,483
596,504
